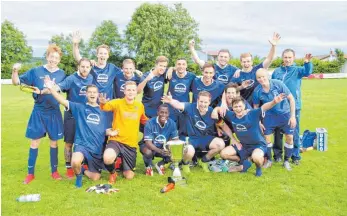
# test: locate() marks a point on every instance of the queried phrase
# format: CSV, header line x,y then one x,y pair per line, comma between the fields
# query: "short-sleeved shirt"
x,y
158,134
180,87
247,128
247,92
119,81
225,74
103,78
76,87
35,77
90,126
276,87
198,125
215,89
153,91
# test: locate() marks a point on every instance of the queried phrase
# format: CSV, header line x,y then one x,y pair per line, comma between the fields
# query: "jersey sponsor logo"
x,y
240,128
122,87
158,85
200,125
83,91
251,84
223,78
93,118
102,78
130,115
180,87
160,139
275,92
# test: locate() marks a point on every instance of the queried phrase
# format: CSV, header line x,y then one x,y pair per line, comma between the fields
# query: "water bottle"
x,y
29,198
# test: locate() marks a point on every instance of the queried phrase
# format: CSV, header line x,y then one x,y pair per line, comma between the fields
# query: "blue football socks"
x,y
32,160
54,159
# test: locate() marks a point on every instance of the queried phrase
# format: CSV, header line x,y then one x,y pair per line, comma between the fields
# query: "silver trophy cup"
x,y
176,148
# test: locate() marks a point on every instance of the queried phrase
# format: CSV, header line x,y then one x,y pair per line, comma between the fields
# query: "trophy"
x,y
176,148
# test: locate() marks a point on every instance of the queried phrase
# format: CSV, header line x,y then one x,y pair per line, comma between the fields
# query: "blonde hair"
x,y
53,48
245,55
103,46
161,59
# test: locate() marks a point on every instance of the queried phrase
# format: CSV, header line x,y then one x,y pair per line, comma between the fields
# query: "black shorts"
x,y
69,127
127,153
94,162
166,159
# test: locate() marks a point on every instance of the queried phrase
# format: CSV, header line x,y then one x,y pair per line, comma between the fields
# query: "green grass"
x,y
317,187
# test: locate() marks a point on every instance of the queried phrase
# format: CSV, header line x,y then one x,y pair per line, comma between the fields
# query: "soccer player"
x,y
46,116
292,75
245,123
200,127
231,92
127,75
224,71
282,115
207,83
153,86
158,130
89,132
127,116
248,71
180,85
75,85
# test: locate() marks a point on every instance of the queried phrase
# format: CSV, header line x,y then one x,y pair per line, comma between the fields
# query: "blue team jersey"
x,y
225,74
215,89
90,126
153,91
180,87
103,78
35,77
292,76
160,135
247,92
276,87
76,87
247,128
247,105
196,124
118,84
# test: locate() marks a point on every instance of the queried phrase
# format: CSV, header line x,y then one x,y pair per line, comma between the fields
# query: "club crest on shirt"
x,y
83,91
93,118
180,87
160,139
200,125
102,78
122,87
158,85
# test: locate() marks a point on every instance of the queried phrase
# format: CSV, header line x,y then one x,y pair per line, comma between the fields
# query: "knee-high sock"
x,y
147,159
110,168
32,160
54,159
288,151
269,151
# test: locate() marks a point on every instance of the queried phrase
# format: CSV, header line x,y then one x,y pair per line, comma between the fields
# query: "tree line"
x,y
154,29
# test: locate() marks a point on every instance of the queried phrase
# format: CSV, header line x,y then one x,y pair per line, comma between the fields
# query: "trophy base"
x,y
182,181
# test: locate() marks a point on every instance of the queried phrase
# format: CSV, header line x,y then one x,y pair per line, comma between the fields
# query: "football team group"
x,y
234,113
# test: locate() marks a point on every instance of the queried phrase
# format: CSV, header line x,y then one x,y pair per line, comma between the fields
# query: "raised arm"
x,y
195,54
50,85
308,66
275,38
76,39
174,103
142,85
15,77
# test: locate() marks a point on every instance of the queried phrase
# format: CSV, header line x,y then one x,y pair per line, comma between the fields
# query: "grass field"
x,y
317,187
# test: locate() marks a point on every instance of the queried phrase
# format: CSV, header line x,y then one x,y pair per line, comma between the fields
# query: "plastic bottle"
x,y
168,187
29,198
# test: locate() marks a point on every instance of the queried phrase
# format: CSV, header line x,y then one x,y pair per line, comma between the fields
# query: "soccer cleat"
x,y
296,162
186,168
29,178
149,171
112,178
278,160
204,166
287,165
160,169
69,173
267,164
118,164
56,176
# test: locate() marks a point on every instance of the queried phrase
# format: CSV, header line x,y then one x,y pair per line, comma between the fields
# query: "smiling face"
x,y
223,58
203,102
128,70
84,68
102,55
208,74
246,63
181,66
239,107
288,58
262,77
232,93
92,94
161,66
163,114
53,59
130,91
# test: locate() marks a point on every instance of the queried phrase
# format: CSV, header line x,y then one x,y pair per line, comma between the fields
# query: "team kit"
x,y
233,115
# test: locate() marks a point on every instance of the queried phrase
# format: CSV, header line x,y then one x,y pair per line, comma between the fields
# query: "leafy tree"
x,y
107,33
14,48
156,29
67,63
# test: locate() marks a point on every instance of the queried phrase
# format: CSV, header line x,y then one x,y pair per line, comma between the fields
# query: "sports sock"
x,y
288,151
78,182
258,171
147,160
246,165
162,162
205,159
269,151
68,165
54,159
110,168
32,160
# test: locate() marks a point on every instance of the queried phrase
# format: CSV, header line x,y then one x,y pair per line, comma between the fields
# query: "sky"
x,y
306,27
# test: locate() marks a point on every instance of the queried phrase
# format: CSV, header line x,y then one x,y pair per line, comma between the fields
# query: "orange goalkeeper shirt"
x,y
126,119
